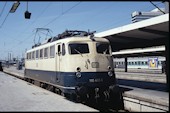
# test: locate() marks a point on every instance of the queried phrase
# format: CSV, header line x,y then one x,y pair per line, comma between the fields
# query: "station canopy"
x,y
147,33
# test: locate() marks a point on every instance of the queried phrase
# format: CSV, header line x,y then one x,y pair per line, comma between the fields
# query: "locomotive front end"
x,y
92,63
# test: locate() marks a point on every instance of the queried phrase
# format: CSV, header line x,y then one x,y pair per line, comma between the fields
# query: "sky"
x,y
18,34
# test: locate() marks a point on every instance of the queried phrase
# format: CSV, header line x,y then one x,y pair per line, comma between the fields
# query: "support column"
x,y
125,64
167,62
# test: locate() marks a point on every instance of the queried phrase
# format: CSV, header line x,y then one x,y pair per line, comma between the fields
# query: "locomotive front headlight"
x,y
78,74
109,68
110,73
78,69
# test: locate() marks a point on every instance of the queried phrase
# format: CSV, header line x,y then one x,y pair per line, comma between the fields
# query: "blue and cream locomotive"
x,y
74,63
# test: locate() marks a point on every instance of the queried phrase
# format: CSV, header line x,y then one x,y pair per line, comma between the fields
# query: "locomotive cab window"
x,y
78,48
103,48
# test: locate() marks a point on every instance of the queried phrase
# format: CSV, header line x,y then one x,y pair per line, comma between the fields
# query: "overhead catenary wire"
x,y
49,4
51,22
54,18
3,8
21,42
4,20
157,7
98,14
25,39
36,18
62,14
118,21
33,21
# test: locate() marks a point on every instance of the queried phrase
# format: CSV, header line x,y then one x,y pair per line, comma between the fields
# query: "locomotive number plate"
x,y
96,80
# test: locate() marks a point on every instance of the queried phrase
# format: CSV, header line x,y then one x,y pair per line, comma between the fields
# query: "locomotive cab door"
x,y
58,61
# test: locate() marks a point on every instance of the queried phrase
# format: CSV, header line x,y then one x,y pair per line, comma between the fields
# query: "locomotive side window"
x,y
46,52
27,56
63,49
37,52
78,48
52,51
30,55
33,54
59,50
41,53
103,48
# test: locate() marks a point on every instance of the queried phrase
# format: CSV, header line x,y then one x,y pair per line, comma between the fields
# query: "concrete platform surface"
x,y
159,78
158,97
18,95
144,100
13,70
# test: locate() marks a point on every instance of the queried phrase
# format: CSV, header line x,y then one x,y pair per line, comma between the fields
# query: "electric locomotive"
x,y
74,63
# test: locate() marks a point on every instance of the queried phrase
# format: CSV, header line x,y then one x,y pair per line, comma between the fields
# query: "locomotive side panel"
x,y
39,66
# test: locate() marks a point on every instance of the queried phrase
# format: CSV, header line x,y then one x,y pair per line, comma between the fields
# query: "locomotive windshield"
x,y
78,48
103,48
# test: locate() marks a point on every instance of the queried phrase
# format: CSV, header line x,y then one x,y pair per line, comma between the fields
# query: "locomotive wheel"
x,y
74,97
116,99
29,80
25,79
58,91
43,85
66,95
50,88
32,81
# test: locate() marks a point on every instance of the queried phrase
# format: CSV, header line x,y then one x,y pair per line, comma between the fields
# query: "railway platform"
x,y
18,95
134,99
155,77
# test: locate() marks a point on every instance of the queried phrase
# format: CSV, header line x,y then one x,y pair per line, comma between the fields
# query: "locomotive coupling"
x,y
101,95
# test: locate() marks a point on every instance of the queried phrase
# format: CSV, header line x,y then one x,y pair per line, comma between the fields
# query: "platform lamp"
x,y
27,13
14,7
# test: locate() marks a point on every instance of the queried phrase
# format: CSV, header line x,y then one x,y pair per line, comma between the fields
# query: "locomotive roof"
x,y
69,36
70,39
